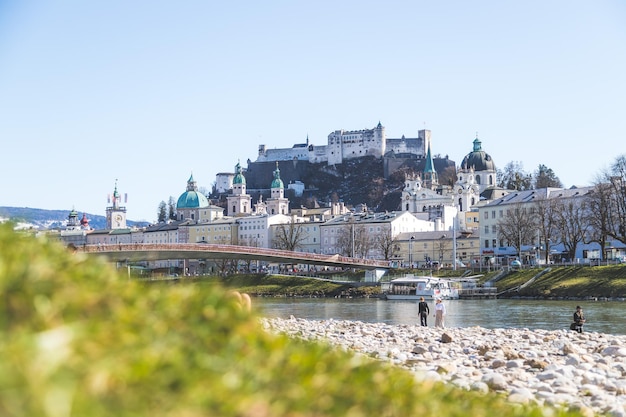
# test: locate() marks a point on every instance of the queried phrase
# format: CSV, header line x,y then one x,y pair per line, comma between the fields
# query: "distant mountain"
x,y
27,217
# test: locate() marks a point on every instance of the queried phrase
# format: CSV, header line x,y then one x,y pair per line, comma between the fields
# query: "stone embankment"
x,y
586,372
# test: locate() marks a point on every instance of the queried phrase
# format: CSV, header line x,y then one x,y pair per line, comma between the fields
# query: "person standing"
x,y
579,319
424,311
440,313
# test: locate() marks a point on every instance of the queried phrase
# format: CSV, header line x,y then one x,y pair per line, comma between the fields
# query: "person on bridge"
x,y
423,311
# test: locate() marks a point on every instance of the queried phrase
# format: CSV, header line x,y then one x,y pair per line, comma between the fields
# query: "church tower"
x,y
115,213
277,204
431,181
239,202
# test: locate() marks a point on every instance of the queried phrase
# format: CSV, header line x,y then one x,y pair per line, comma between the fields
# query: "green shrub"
x,y
76,339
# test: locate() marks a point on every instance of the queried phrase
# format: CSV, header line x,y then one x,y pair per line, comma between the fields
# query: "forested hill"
x,y
51,219
356,181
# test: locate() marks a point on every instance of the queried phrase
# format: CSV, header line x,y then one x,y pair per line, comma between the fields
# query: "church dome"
x,y
478,160
239,178
277,183
191,198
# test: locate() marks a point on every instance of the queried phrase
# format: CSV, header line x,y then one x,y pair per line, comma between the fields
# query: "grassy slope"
x,y
78,340
571,281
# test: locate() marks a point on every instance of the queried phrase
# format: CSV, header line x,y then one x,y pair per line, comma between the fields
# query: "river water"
x,y
602,316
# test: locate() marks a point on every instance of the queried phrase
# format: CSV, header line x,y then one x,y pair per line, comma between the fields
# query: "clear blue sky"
x,y
147,92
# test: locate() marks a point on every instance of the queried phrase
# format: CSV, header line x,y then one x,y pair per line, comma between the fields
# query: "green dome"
x,y
191,198
277,183
478,160
239,178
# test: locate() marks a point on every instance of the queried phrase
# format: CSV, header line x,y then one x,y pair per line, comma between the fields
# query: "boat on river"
x,y
412,287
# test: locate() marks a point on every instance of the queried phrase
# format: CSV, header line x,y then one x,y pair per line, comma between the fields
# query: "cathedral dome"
x,y
478,160
191,198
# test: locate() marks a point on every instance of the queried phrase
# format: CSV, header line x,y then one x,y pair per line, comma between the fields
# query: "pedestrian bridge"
x,y
135,252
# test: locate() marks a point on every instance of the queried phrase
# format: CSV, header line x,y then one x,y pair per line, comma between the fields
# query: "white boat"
x,y
411,287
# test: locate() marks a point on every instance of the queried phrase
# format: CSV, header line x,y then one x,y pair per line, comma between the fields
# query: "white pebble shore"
x,y
586,372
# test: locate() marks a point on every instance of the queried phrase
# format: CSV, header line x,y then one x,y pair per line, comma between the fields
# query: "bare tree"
x,y
571,223
387,245
354,240
289,236
545,220
616,177
517,227
599,213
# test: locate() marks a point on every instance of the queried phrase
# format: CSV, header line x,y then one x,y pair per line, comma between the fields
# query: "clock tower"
x,y
116,214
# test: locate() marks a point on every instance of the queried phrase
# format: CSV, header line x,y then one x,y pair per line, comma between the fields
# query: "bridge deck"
x,y
151,252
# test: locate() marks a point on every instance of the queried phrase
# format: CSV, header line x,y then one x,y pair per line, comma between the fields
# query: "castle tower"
x,y
115,213
277,204
239,203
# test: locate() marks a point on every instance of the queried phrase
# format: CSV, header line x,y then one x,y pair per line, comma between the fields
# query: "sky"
x,y
146,93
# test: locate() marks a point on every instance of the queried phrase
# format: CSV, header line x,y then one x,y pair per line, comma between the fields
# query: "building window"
x,y
486,216
486,230
486,243
493,229
494,243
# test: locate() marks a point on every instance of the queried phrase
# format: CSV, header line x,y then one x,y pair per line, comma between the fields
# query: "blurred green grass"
x,y
76,339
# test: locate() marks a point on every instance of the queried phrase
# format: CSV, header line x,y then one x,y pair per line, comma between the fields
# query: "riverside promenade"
x,y
561,368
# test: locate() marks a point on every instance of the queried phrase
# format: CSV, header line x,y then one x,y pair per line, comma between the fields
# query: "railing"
x,y
232,249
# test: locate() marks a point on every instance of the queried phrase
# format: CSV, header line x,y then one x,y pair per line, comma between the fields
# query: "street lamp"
x,y
411,251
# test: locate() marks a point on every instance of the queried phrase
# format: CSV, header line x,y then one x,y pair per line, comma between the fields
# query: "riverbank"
x,y
586,372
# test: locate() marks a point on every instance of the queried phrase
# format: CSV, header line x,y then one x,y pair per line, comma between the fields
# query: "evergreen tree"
x,y
162,212
544,177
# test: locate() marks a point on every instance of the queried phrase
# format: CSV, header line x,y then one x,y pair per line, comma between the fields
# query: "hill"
x,y
35,218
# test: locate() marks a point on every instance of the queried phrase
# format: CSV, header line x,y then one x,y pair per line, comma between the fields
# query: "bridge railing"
x,y
233,249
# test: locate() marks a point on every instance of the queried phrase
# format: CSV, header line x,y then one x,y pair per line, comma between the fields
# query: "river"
x,y
602,316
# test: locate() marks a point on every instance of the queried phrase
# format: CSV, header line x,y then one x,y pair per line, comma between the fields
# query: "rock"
x,y
446,338
495,381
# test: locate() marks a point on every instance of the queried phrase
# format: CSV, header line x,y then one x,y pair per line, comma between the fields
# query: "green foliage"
x,y
78,340
569,281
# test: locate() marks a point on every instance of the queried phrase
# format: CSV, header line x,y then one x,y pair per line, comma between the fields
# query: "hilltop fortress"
x,y
343,145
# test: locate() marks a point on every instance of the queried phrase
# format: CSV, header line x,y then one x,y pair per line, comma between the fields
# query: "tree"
x,y
599,213
387,244
513,177
545,219
171,209
289,236
162,212
616,177
448,176
517,227
571,223
354,240
544,177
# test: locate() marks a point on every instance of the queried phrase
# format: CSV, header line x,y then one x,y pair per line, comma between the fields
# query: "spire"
x,y
191,184
430,166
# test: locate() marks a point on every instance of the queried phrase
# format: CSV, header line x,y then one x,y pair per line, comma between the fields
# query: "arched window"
x,y
490,180
473,201
407,206
460,204
477,179
234,208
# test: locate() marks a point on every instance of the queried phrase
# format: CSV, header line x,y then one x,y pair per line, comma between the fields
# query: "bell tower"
x,y
116,214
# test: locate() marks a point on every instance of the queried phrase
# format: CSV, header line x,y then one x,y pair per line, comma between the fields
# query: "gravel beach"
x,y
584,371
